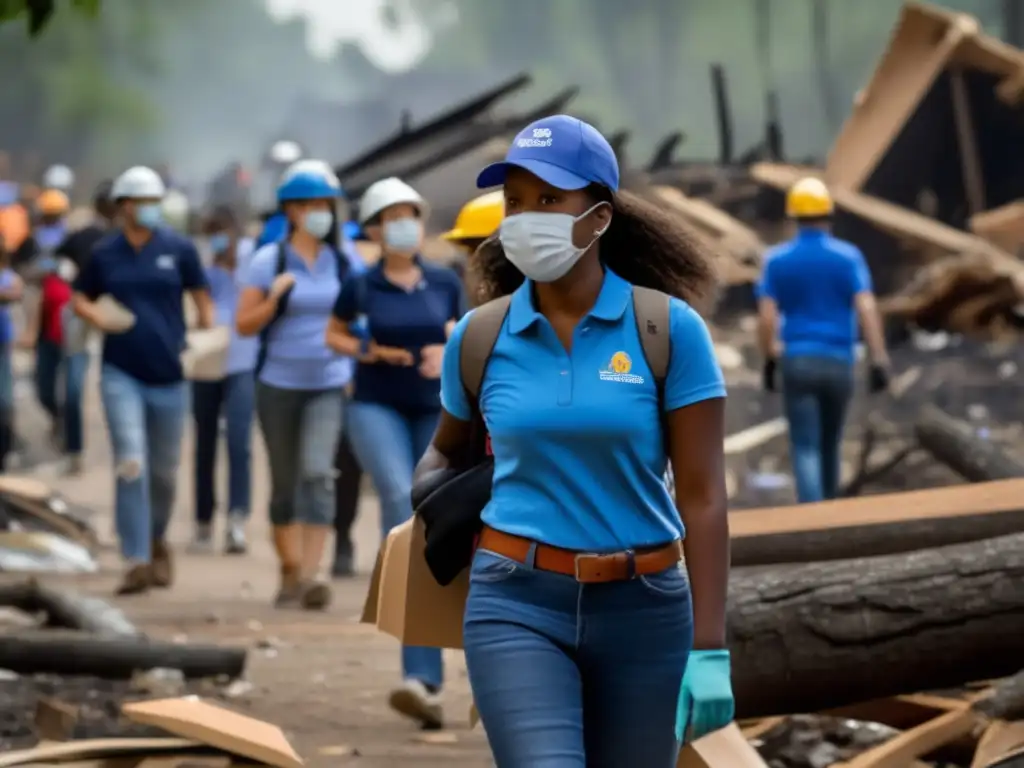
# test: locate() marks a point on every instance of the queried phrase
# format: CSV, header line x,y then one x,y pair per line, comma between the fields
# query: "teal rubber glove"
x,y
705,699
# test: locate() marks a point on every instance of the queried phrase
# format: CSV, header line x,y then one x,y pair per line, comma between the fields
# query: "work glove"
x,y
878,379
768,375
705,699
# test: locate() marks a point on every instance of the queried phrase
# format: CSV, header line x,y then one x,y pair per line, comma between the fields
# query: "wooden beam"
x,y
967,140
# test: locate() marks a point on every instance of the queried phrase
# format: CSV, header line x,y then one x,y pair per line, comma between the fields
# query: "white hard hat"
x,y
175,207
387,192
285,152
59,177
138,182
309,165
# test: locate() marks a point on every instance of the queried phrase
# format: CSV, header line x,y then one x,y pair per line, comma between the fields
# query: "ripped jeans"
x,y
146,424
301,429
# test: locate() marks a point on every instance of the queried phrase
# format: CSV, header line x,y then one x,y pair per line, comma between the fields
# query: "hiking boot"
x,y
73,465
315,596
289,593
344,564
202,540
136,580
234,539
413,699
162,566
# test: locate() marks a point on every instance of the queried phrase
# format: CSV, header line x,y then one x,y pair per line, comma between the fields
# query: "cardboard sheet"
x,y
193,718
722,749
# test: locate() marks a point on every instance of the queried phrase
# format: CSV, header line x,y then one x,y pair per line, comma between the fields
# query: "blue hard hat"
x,y
308,185
565,152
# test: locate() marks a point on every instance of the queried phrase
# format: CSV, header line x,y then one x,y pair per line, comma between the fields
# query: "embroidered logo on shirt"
x,y
618,369
165,261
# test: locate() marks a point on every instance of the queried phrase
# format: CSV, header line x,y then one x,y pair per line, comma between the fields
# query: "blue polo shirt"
x,y
225,287
579,457
813,280
6,322
408,319
297,353
150,282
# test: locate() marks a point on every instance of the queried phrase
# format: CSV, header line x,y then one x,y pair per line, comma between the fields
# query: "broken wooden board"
x,y
918,742
1000,746
877,525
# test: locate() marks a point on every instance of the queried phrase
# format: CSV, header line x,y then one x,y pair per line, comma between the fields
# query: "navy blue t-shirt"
x,y
151,283
407,319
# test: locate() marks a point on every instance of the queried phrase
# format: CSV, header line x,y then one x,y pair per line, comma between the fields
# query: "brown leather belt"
x,y
585,567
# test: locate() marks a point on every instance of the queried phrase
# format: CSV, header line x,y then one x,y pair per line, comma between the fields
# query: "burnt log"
x,y
113,658
67,610
877,525
958,446
817,636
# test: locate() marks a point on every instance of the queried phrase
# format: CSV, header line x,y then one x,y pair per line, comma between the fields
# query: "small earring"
x,y
597,233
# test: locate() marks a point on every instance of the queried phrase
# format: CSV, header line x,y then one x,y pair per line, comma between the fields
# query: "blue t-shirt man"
x,y
578,462
395,317
151,283
813,280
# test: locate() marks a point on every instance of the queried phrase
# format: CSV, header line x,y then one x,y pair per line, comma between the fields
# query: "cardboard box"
x,y
722,749
405,601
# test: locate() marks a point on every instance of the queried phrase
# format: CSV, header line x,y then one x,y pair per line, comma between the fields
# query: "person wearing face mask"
x,y
582,641
147,269
395,320
231,397
286,299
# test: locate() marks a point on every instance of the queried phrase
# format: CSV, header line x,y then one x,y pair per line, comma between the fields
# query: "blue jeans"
x,y
146,423
387,444
51,364
569,675
301,428
815,394
234,396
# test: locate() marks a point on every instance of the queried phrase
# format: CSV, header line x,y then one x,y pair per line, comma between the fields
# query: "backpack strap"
x,y
651,309
282,304
478,340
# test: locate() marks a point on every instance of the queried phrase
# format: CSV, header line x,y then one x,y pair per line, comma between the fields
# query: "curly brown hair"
x,y
644,244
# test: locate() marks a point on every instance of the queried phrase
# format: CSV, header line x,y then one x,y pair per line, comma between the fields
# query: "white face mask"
x,y
540,244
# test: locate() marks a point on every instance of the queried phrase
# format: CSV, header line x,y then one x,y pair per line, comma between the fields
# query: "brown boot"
x,y
136,580
288,545
162,566
315,596
289,593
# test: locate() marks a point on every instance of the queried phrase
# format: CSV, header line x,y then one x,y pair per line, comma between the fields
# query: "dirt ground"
x,y
323,678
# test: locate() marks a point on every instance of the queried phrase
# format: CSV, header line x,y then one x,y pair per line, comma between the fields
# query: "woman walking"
x,y
148,269
395,319
231,397
582,640
290,287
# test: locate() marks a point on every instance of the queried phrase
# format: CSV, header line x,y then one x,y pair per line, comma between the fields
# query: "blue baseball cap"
x,y
563,151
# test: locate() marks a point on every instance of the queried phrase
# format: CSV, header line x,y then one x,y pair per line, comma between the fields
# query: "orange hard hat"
x,y
52,202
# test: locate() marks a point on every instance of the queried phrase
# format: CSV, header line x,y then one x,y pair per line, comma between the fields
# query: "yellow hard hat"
x,y
809,198
479,218
52,202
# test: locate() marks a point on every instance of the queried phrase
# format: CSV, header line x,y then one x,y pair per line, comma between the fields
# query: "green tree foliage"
x,y
37,13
